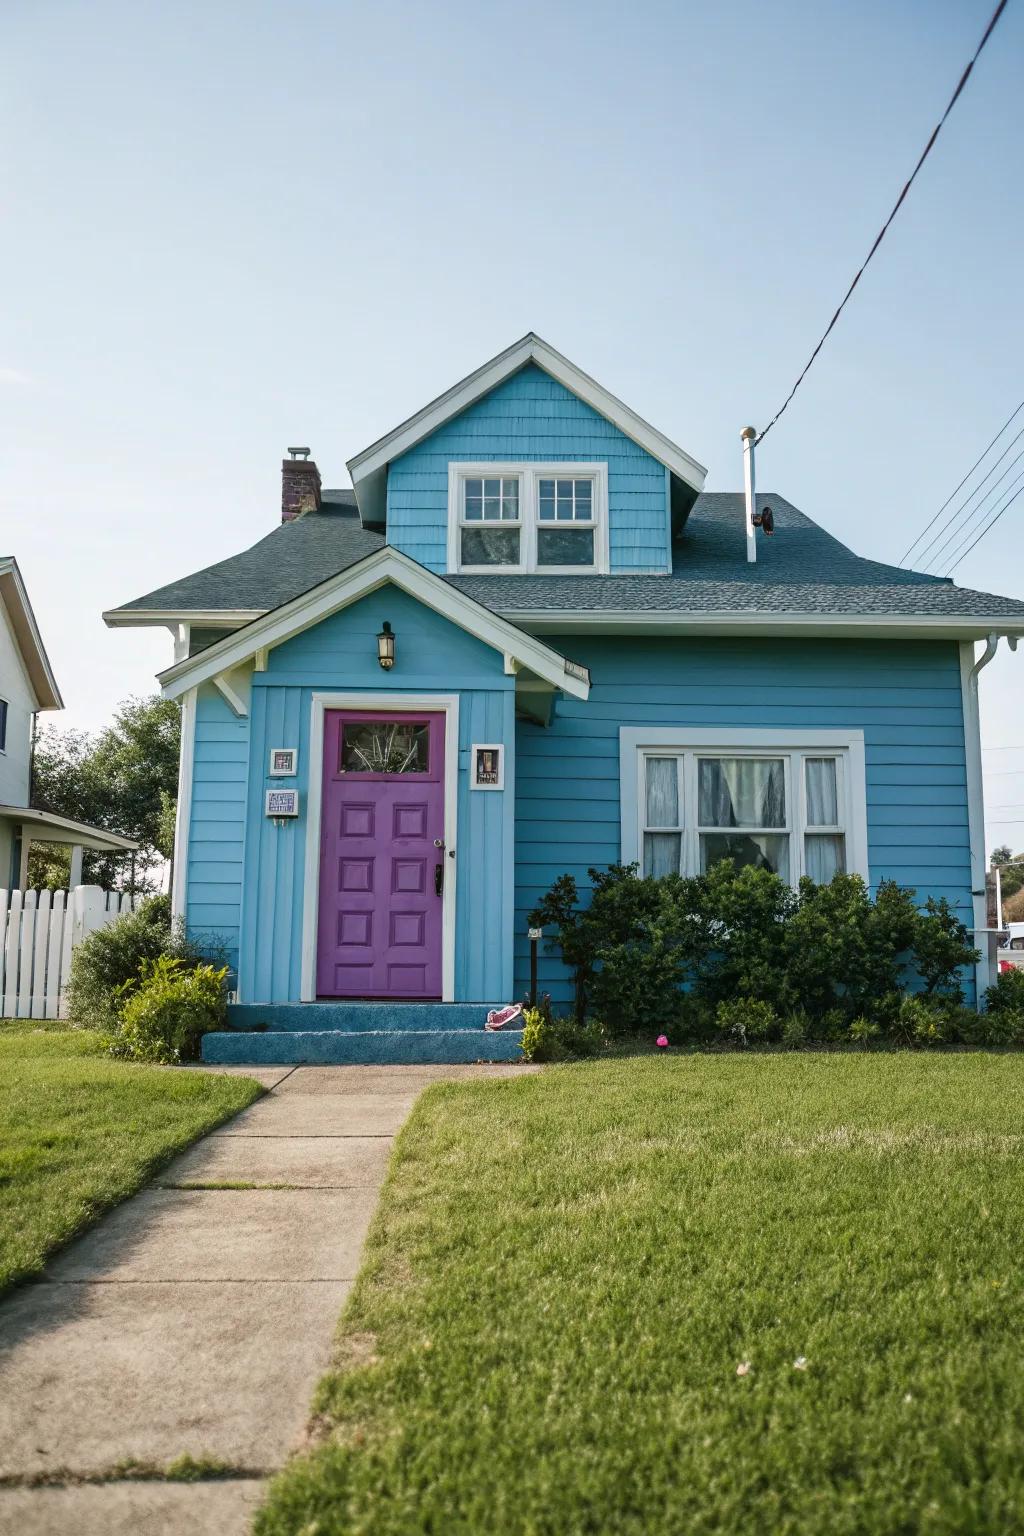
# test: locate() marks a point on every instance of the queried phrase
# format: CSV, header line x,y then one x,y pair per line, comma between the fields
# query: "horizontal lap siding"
x,y
217,825
530,417
339,655
905,696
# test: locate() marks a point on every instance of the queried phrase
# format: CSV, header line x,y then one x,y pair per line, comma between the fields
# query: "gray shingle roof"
x,y
800,570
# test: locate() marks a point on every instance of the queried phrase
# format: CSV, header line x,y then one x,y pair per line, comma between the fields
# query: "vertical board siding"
x,y
530,416
339,655
213,892
904,695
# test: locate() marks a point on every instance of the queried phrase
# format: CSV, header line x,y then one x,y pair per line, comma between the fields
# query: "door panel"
x,y
380,926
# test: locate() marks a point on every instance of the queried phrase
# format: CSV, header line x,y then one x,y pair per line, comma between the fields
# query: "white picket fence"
x,y
38,931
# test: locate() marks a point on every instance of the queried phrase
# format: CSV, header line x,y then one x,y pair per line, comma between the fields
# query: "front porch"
x,y
353,1033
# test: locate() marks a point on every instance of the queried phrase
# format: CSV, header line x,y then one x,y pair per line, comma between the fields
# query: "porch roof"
x,y
46,827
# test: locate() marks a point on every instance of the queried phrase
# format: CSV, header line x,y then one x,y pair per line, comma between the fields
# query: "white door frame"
x,y
386,703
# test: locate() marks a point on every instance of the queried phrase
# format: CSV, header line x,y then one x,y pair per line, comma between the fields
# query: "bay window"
x,y
794,804
521,517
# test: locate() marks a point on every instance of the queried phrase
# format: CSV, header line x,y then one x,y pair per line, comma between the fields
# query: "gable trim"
x,y
368,468
384,567
27,637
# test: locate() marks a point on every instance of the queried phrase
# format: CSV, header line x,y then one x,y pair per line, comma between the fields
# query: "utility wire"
x,y
987,529
963,482
951,519
1000,8
980,512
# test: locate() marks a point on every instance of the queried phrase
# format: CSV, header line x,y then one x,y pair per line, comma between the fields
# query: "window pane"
x,y
822,792
661,853
492,487
490,546
510,499
385,746
474,509
741,792
662,792
824,856
763,852
474,486
546,509
565,546
492,508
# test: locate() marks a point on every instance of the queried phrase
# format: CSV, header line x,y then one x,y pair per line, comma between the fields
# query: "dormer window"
x,y
518,518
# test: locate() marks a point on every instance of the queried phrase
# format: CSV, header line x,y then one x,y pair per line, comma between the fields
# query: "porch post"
x,y
75,875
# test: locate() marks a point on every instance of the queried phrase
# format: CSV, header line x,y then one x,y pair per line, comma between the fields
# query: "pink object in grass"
x,y
661,1042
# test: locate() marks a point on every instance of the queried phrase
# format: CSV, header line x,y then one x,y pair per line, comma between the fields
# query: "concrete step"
x,y
368,1047
355,1015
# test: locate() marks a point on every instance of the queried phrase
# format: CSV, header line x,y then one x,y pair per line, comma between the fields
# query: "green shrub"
x,y
942,949
113,956
920,1020
1002,1027
549,1039
167,1010
1006,994
863,1031
795,1029
746,1020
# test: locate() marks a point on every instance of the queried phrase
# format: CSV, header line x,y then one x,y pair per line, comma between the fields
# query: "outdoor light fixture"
x,y
386,647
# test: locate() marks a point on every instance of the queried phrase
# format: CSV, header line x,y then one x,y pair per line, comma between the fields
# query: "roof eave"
x,y
217,618
62,829
369,468
29,640
723,622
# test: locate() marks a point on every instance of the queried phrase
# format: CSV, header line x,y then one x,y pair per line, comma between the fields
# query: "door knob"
x,y
438,842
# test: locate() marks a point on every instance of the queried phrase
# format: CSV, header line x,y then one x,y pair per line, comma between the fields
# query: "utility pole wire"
x,y
984,507
1000,8
981,535
963,482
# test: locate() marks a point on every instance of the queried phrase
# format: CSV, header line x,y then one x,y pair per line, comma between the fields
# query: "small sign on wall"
x,y
282,802
488,765
284,761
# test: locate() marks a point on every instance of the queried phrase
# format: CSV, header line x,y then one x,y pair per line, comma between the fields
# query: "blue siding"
x,y
904,695
217,824
531,416
340,655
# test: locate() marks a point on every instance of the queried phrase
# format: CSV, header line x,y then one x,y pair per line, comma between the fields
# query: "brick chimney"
x,y
300,485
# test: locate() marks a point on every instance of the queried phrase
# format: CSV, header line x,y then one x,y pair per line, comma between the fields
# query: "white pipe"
x,y
976,804
748,436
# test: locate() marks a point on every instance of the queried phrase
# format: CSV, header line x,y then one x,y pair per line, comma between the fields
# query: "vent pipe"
x,y
748,436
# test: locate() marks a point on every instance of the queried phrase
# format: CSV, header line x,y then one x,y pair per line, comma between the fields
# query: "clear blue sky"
x,y
233,226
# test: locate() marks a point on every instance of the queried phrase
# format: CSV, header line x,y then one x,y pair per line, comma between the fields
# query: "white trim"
x,y
529,472
369,468
725,622
487,746
183,815
234,700
283,773
385,566
635,740
170,618
182,638
386,703
28,641
976,809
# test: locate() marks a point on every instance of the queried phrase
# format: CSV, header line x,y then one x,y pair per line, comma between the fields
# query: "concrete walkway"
x,y
196,1318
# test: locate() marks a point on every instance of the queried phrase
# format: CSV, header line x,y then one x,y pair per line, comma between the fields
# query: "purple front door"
x,y
382,856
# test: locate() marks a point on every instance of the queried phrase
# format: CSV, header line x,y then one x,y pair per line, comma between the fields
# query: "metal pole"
x,y
748,436
535,934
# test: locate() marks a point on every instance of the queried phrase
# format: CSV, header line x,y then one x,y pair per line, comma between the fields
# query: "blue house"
x,y
527,642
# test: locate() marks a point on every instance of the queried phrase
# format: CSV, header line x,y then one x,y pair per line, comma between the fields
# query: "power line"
x,y
987,529
896,207
963,482
981,511
1004,749
923,555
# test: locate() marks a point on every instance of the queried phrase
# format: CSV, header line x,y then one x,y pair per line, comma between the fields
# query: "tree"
x,y
125,779
1001,855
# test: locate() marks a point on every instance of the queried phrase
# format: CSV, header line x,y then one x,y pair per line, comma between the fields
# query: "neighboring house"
x,y
527,642
27,685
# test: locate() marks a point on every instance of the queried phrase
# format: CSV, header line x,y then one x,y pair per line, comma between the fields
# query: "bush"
x,y
549,1039
863,1031
113,956
746,1020
1006,994
167,1010
942,949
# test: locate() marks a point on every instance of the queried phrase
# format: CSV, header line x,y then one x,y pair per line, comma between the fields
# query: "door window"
x,y
385,746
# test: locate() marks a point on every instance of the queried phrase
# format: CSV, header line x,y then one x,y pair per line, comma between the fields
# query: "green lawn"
x,y
79,1132
567,1270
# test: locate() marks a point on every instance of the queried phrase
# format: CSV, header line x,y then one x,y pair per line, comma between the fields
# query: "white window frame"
x,y
529,474
637,743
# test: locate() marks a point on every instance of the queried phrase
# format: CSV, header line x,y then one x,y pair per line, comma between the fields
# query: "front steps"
x,y
358,1033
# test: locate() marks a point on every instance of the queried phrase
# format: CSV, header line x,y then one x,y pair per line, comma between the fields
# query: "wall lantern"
x,y
386,647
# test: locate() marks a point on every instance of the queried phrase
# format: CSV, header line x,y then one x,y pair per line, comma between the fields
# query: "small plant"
x,y
168,1010
942,949
112,956
745,1020
1006,994
796,1027
863,1031
921,1020
546,1038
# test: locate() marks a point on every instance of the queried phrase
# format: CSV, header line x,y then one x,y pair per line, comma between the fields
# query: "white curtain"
x,y
662,792
741,792
824,856
822,792
661,853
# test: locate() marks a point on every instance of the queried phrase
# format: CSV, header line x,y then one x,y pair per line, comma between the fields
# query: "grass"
x,y
567,1271
79,1132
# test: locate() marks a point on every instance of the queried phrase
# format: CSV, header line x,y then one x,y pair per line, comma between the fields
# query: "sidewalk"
x,y
195,1319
